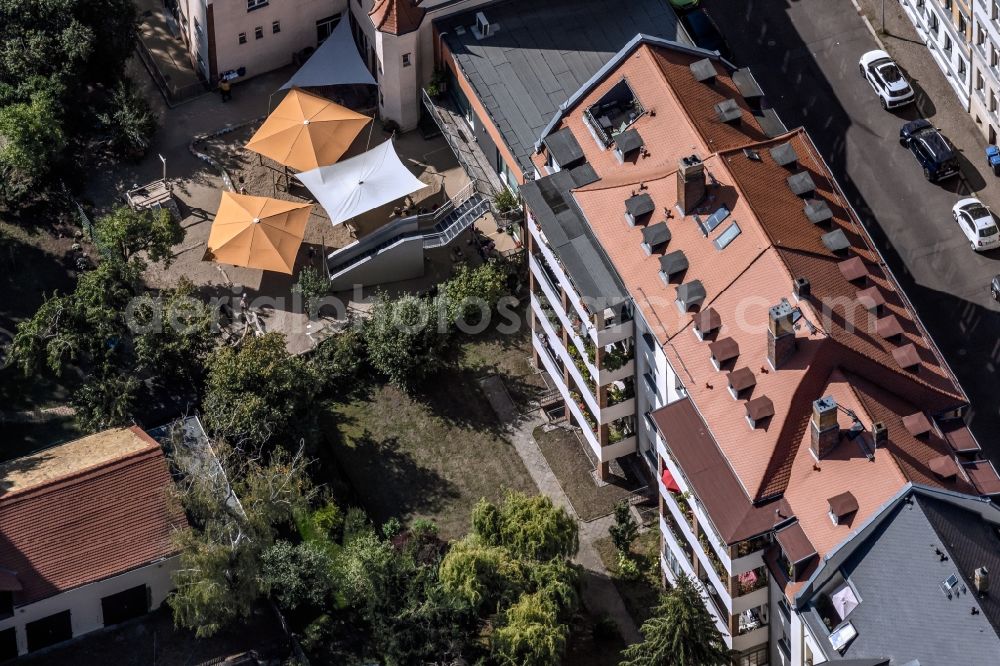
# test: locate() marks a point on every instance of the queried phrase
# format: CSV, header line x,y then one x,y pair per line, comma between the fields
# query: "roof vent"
x,y
690,294
888,327
842,506
853,269
759,410
483,28
801,288
917,424
655,236
746,83
626,143
724,351
818,211
703,70
872,299
907,356
836,240
784,155
637,207
728,111
672,264
801,183
706,322
740,381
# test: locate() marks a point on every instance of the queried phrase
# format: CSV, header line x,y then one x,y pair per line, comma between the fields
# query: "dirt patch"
x,y
565,455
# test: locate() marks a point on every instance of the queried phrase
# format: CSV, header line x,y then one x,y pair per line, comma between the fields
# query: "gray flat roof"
x,y
543,52
569,235
897,573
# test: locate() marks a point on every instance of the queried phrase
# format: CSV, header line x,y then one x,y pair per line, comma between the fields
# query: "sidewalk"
x,y
168,51
936,99
599,592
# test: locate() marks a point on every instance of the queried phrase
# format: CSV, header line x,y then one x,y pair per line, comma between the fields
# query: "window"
x,y
275,27
243,38
406,60
125,605
258,32
755,657
994,57
961,69
980,83
197,28
255,4
963,22
947,44
947,4
993,102
325,26
650,378
933,25
995,11
980,38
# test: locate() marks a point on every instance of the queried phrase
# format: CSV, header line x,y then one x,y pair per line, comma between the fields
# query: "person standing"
x,y
226,88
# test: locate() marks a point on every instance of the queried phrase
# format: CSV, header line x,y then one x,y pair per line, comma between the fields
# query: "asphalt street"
x,y
805,55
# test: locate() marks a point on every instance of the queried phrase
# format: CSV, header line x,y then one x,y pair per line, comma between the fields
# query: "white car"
x,y
883,74
977,223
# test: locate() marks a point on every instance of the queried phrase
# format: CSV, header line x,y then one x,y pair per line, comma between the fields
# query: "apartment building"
x,y
985,95
946,28
784,389
86,541
244,38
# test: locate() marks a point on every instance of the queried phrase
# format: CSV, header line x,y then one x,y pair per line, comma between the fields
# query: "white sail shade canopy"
x,y
335,62
362,183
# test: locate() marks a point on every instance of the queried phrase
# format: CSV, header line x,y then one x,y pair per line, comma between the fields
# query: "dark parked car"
x,y
703,31
931,149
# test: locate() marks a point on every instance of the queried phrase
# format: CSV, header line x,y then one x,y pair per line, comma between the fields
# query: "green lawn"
x,y
642,594
435,453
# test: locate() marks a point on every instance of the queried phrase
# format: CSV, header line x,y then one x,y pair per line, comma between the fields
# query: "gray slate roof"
x,y
543,52
903,613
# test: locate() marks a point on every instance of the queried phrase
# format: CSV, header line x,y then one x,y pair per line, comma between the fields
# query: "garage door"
x,y
133,602
8,644
49,631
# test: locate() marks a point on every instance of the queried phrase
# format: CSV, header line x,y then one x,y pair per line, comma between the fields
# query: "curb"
x,y
868,24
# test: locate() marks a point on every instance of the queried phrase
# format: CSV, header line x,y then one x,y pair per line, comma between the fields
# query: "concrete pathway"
x,y
599,592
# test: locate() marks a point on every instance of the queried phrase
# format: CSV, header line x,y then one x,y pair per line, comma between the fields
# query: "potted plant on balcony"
x,y
438,84
507,206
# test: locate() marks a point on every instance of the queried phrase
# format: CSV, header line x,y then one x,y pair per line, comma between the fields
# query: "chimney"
x,y
824,430
982,579
880,434
801,288
691,186
780,334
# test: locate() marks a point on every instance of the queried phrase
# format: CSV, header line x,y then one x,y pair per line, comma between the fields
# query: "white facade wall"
x,y
936,26
985,81
194,24
84,602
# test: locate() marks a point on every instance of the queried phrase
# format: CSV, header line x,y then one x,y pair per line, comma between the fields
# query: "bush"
x,y
474,290
297,575
624,531
355,524
313,286
627,568
404,340
338,360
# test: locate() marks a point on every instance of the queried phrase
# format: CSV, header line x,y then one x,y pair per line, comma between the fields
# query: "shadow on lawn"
x,y
387,480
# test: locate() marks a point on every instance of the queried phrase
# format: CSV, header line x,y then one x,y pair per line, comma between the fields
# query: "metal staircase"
x,y
449,222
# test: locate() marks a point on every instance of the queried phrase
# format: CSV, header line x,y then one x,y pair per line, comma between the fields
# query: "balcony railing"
x,y
456,133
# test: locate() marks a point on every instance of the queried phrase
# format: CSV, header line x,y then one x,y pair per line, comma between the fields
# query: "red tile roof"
x,y
397,17
76,526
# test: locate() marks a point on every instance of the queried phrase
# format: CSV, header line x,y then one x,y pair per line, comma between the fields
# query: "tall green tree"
x,y
236,518
681,632
258,393
404,339
174,334
530,526
530,633
32,139
474,291
128,121
624,530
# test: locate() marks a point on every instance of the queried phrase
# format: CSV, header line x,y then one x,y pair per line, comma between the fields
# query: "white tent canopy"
x,y
362,183
335,62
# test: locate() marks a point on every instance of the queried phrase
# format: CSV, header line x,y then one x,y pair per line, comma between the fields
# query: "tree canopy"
x,y
125,232
681,632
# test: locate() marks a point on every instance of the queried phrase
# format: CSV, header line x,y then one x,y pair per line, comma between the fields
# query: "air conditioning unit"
x,y
483,27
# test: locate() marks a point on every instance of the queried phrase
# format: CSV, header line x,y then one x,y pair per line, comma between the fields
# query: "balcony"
x,y
751,590
750,639
670,541
568,362
561,278
551,366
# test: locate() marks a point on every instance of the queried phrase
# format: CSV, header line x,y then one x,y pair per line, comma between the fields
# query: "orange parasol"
x,y
307,131
257,232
